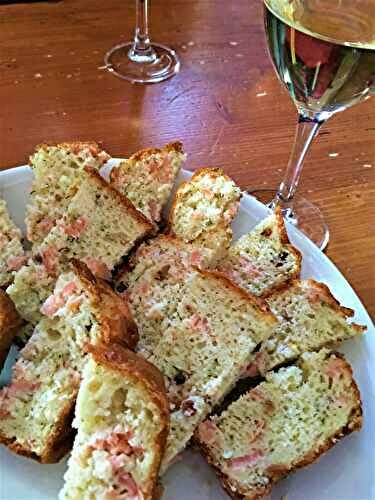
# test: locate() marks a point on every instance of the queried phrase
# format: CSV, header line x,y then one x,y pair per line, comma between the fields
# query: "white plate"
x,y
345,473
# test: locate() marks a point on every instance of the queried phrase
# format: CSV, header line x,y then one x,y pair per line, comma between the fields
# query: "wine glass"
x,y
141,61
324,53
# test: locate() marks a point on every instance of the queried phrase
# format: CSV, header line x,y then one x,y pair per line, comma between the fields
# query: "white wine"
x,y
323,51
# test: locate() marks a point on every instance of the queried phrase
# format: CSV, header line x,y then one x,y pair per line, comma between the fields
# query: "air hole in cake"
x,y
121,288
54,335
162,274
180,378
118,400
94,386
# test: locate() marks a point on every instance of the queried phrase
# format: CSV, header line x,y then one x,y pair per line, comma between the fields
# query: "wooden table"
x,y
226,106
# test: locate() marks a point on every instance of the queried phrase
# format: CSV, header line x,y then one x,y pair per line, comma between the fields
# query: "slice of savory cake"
x,y
10,321
284,423
36,407
264,258
99,227
12,254
309,318
147,178
58,171
199,330
122,418
207,203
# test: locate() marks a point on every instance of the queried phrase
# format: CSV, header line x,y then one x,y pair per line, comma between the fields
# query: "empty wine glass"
x,y
324,53
141,61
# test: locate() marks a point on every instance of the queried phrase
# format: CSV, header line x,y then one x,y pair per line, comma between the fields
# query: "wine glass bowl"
x,y
323,77
323,52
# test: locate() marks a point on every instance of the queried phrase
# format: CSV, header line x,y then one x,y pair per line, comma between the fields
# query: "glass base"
x,y
306,216
123,62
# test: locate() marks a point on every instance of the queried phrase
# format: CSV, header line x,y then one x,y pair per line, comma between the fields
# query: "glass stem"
x,y
306,131
142,50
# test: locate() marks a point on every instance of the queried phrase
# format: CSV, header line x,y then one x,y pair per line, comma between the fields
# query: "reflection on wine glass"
x,y
141,61
324,53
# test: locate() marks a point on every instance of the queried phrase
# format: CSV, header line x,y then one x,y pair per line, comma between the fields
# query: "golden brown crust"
x,y
118,358
214,172
324,294
116,321
61,438
345,312
92,145
122,199
68,145
284,239
17,448
141,155
298,256
175,146
9,323
122,360
260,306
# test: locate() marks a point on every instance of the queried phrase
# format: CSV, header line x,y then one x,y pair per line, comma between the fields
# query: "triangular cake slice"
x,y
12,254
309,318
264,258
147,178
284,423
99,227
199,330
204,207
122,418
58,171
36,406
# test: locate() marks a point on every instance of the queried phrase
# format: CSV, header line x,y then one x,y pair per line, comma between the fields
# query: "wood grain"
x,y
225,105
